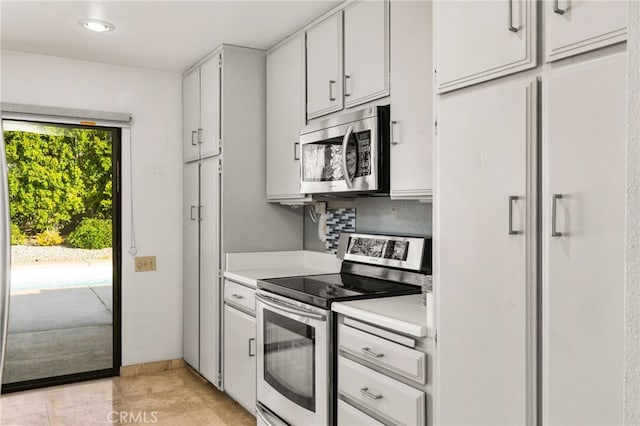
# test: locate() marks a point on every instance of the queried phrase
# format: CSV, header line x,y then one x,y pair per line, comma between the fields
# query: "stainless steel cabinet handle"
x,y
237,296
193,138
512,231
296,151
511,27
253,339
346,79
200,135
200,212
554,203
365,391
556,8
331,83
394,140
193,213
369,352
345,169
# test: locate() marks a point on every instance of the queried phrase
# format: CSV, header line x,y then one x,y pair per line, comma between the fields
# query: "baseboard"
x,y
151,367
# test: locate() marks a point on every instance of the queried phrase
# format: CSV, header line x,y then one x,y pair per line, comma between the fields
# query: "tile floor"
x,y
175,397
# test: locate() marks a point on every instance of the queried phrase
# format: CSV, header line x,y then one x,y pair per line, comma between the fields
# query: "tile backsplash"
x,y
338,220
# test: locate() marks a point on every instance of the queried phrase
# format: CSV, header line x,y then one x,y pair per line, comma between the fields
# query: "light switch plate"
x,y
145,263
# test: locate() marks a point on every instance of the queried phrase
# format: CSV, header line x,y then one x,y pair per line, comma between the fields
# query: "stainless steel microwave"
x,y
348,153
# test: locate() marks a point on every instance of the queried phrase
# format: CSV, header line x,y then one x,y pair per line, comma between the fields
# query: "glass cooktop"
x,y
322,290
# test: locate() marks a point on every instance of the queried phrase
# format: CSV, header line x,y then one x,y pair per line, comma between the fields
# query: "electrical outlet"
x,y
145,263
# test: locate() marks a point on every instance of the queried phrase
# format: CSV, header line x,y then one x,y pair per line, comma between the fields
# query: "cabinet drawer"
x,y
351,416
239,295
392,356
395,401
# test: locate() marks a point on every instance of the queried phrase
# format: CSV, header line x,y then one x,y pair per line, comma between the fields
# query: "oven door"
x,y
326,169
292,359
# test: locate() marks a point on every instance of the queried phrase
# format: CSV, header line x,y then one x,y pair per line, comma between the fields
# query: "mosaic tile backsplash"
x,y
338,220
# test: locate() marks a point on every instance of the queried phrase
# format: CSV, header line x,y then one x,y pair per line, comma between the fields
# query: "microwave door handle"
x,y
345,170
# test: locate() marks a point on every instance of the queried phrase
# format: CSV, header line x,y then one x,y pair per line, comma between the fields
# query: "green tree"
x,y
45,183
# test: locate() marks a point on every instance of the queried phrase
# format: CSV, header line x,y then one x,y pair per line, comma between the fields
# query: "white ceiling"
x,y
162,35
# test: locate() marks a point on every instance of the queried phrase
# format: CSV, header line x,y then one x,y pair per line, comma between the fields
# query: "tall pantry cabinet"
x,y
224,206
488,289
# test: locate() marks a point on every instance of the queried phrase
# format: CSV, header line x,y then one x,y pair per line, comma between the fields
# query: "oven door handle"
x,y
345,169
267,417
286,308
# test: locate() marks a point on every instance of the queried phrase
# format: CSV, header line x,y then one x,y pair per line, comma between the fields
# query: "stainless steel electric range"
x,y
296,330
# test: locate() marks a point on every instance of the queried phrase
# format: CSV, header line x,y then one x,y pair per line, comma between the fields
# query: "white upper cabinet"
x,y
190,115
285,117
201,110
366,52
209,136
583,238
480,40
577,26
324,67
411,101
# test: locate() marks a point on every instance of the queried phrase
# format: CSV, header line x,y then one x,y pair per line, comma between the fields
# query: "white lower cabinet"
x,y
485,270
351,416
240,357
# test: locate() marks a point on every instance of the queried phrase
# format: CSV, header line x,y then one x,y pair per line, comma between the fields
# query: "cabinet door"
x,y
209,136
324,67
285,117
190,114
240,357
210,281
583,265
366,52
577,26
485,280
191,296
412,101
481,40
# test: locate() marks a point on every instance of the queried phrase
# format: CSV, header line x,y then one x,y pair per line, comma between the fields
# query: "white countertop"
x,y
248,268
404,314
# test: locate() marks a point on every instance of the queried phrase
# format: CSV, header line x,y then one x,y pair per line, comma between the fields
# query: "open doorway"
x,y
64,314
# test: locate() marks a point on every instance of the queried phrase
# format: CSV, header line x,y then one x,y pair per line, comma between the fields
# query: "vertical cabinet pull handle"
x,y
394,139
365,391
511,27
296,150
346,80
554,215
193,138
200,135
252,352
512,199
200,213
193,212
556,8
331,83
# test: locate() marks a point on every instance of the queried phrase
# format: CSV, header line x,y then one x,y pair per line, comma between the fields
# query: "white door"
x,y
583,154
285,117
209,136
210,281
577,26
190,114
481,40
191,295
366,52
240,357
324,67
485,271
411,100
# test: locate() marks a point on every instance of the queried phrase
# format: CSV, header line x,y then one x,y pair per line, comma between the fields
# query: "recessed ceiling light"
x,y
97,25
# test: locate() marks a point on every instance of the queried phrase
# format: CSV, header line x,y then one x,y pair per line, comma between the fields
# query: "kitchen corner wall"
x,y
151,301
376,215
632,273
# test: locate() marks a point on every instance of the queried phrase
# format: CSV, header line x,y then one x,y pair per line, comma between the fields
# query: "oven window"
x,y
289,358
322,161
